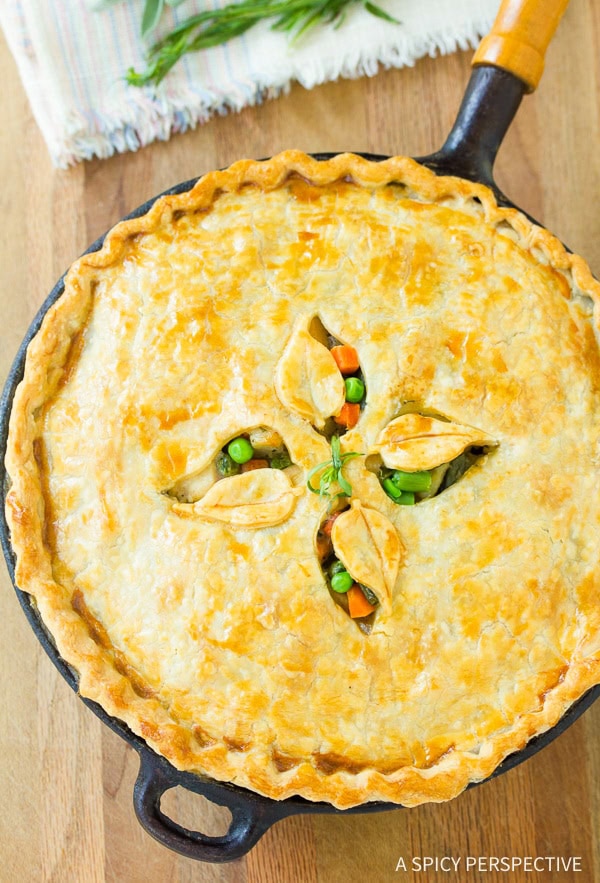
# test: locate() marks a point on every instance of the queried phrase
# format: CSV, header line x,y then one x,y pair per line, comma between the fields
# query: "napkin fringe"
x,y
154,115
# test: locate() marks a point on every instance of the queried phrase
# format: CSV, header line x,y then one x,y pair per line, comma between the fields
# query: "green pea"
x,y
391,490
225,465
355,389
412,481
240,450
341,582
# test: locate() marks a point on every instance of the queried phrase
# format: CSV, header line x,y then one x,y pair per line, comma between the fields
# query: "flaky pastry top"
x,y
207,625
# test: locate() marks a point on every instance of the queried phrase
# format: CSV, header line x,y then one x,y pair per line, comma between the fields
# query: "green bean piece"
x,y
336,567
393,492
280,461
369,595
355,389
240,450
412,481
225,465
407,498
341,582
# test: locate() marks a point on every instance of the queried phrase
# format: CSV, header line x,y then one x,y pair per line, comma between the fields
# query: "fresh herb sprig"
x,y
331,472
215,26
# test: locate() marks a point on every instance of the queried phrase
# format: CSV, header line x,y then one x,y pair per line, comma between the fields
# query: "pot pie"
x,y
405,589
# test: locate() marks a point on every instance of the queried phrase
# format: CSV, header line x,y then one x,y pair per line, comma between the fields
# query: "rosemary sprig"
x,y
215,26
331,472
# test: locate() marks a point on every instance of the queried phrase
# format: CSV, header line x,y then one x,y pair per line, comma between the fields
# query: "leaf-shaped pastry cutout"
x,y
193,487
262,498
368,545
413,442
307,379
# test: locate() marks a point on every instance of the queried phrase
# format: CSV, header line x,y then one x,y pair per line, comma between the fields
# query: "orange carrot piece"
x,y
251,465
346,358
327,525
349,415
358,605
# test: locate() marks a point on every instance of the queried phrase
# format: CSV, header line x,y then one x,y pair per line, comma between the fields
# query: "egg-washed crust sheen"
x,y
222,646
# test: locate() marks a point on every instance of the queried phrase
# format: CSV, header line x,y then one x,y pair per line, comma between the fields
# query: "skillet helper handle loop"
x,y
249,821
520,37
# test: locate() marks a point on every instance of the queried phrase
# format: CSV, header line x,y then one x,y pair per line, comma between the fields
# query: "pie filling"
x,y
321,378
408,488
359,601
261,448
354,389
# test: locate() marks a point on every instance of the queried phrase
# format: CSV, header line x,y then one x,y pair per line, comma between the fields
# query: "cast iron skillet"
x,y
508,64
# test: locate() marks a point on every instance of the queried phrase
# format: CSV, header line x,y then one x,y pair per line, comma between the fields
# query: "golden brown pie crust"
x,y
220,644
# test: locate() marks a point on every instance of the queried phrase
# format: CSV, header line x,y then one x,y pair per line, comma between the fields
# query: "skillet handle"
x,y
520,37
250,820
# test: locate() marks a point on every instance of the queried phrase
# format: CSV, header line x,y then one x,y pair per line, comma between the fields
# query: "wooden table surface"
x,y
66,780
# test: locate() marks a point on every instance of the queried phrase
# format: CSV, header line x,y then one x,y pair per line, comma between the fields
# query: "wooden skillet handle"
x,y
520,36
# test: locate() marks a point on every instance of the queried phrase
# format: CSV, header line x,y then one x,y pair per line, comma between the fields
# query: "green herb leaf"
x,y
336,453
99,5
152,13
344,484
381,13
215,26
331,472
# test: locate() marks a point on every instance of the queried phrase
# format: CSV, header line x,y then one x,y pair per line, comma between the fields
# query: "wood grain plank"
x,y
130,855
67,781
286,852
20,821
70,783
591,725
563,820
360,847
411,111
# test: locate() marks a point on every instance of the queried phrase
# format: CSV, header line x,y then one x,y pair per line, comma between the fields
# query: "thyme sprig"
x,y
215,26
331,472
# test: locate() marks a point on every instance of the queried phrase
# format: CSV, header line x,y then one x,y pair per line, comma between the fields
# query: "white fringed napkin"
x,y
72,60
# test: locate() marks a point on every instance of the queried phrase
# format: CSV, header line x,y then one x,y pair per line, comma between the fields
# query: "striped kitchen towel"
x,y
72,60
